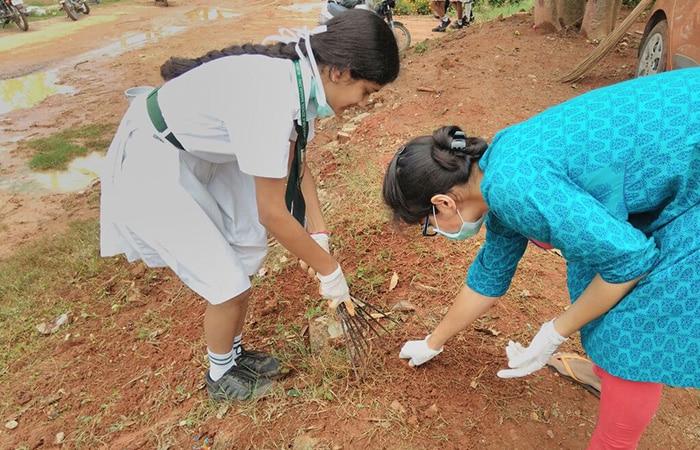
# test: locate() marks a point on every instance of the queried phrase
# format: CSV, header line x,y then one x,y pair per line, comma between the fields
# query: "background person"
x,y
611,179
440,10
197,174
465,15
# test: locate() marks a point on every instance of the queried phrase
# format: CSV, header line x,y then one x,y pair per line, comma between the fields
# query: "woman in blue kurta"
x,y
611,179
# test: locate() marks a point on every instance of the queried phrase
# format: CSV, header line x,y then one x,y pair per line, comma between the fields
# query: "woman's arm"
x,y
314,216
597,299
466,308
274,216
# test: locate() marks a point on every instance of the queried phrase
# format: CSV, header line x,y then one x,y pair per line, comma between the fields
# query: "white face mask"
x,y
323,109
467,230
317,94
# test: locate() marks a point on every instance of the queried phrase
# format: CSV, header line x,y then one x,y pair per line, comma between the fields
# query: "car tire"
x,y
653,51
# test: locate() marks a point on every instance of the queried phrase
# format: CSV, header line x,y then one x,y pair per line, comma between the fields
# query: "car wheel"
x,y
653,52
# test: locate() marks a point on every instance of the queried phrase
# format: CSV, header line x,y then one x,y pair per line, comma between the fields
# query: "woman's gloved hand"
x,y
523,361
334,287
418,352
322,239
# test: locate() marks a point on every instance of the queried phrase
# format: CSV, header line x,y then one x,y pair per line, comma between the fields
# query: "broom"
x,y
605,46
359,325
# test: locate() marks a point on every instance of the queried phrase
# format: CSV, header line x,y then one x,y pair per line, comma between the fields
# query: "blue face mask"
x,y
319,98
468,229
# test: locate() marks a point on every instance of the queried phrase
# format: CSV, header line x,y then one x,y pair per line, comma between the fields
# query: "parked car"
x,y
671,38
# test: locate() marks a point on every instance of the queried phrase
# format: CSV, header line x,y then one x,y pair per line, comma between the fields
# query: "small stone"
x,y
403,305
398,407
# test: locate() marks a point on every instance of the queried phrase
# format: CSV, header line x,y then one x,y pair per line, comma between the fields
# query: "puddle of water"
x,y
23,92
133,41
80,174
26,91
211,13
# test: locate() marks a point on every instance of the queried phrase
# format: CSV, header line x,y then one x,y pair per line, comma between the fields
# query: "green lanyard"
x,y
294,197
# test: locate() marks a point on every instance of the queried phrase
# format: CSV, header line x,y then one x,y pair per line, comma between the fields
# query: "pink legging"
x,y
626,408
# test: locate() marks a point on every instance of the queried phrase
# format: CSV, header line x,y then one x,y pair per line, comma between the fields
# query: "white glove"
x,y
334,287
418,352
523,361
321,239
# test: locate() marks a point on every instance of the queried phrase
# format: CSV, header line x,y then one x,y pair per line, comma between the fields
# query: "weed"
x,y
58,150
421,47
317,308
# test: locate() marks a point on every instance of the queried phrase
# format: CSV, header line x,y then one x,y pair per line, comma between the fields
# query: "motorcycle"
x,y
384,9
73,7
14,11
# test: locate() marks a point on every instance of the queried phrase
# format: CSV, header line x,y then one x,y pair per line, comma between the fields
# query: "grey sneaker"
x,y
443,25
261,364
238,384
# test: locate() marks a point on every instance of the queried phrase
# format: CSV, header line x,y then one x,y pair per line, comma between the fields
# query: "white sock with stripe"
x,y
237,346
219,364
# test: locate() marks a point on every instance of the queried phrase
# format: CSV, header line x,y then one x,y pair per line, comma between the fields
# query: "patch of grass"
x,y
55,152
33,280
483,9
486,11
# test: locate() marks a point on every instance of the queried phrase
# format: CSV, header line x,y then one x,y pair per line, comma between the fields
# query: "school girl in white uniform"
x,y
197,173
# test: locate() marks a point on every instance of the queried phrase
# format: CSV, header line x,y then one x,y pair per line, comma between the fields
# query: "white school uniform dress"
x,y
195,211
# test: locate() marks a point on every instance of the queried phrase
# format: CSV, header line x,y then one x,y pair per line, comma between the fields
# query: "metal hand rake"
x,y
360,324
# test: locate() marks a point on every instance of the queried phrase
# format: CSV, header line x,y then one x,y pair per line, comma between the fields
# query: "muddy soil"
x,y
483,78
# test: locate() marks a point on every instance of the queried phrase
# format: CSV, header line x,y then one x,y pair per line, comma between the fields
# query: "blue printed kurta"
x,y
612,179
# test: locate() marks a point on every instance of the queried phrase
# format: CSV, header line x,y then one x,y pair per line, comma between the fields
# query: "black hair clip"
x,y
459,140
401,150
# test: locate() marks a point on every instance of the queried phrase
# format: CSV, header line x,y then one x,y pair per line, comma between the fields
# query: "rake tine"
x,y
355,331
357,326
369,316
358,340
343,327
377,310
359,336
362,316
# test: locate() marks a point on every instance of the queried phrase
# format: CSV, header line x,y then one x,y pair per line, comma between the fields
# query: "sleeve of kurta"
x,y
494,267
587,229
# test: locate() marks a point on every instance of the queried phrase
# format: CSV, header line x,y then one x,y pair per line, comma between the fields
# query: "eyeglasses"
x,y
428,230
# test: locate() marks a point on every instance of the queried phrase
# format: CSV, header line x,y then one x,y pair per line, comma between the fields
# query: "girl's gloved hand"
x,y
334,287
418,352
322,239
523,361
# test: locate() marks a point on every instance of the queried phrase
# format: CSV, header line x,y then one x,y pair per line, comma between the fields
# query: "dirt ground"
x,y
483,78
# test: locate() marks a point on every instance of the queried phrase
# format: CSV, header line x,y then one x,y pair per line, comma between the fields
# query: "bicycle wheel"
x,y
403,37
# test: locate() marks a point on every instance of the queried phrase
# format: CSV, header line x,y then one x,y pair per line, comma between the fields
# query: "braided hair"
x,y
357,40
427,166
